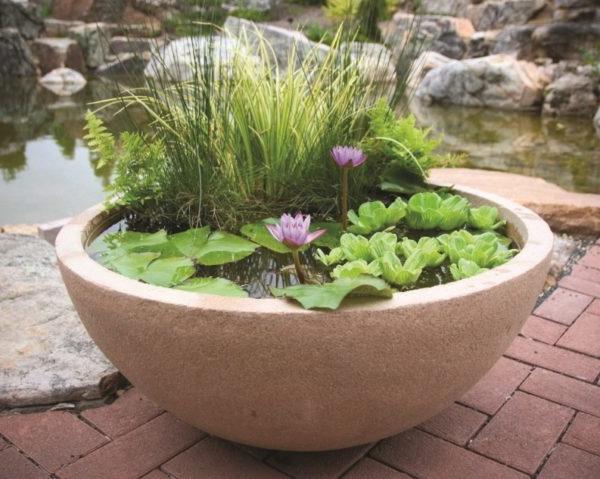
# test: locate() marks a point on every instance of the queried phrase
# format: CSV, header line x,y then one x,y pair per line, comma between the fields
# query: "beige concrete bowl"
x,y
267,373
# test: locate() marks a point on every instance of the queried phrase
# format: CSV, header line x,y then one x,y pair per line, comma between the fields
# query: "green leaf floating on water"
x,y
224,248
465,269
331,295
259,233
218,286
189,242
168,271
132,265
331,239
134,241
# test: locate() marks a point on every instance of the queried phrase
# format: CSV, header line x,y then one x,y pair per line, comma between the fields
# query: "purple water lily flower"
x,y
294,232
348,156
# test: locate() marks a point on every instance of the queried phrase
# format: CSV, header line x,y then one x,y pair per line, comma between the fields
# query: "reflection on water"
x,y
46,171
565,151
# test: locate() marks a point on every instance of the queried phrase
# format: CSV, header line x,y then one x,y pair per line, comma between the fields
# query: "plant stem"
x,y
344,197
299,270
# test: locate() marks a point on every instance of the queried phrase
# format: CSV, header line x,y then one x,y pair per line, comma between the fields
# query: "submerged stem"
x,y
344,197
298,265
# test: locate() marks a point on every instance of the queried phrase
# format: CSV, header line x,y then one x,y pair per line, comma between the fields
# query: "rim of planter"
x,y
531,232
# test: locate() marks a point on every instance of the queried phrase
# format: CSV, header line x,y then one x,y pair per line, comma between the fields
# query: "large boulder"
x,y
495,14
22,15
259,5
15,57
454,8
63,81
514,39
53,27
94,40
426,62
124,64
53,53
442,34
565,41
154,7
106,11
498,81
571,94
71,9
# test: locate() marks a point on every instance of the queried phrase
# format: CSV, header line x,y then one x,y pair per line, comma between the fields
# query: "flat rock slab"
x,y
565,211
46,355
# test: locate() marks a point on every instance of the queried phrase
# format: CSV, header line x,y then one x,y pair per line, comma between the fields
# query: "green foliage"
x,y
354,269
318,33
99,140
218,286
487,250
375,216
430,248
355,247
429,210
258,233
168,272
335,256
485,218
331,295
402,274
252,14
465,269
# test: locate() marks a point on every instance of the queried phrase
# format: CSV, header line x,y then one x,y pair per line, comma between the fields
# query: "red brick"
x,y
316,465
542,330
131,410
583,272
594,308
583,335
457,424
563,390
563,306
219,459
14,465
137,452
52,439
491,392
370,469
592,258
422,455
584,433
523,432
555,359
580,285
566,462
156,474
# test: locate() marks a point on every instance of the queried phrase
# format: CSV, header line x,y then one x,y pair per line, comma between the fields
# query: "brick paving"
x,y
535,414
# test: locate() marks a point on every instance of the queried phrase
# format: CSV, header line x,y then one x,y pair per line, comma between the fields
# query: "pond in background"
x,y
46,171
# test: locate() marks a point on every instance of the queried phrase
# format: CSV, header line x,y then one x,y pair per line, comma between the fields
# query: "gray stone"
x,y
495,14
15,57
446,35
374,60
426,62
106,11
571,94
588,14
53,27
94,41
46,356
565,41
20,15
514,39
123,44
53,53
153,7
574,3
124,64
597,121
498,81
63,81
455,8
260,5
481,43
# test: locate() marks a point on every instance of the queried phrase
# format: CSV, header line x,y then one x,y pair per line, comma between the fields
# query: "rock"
x,y
70,9
122,44
565,41
574,3
260,5
53,27
15,57
153,7
94,41
570,94
53,53
124,64
46,356
498,81
375,60
110,11
597,121
589,14
426,62
481,43
495,14
454,8
514,39
20,15
281,40
63,81
446,35
565,212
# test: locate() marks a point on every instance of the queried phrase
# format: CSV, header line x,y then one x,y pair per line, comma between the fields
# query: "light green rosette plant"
x,y
465,269
485,218
375,216
429,247
402,274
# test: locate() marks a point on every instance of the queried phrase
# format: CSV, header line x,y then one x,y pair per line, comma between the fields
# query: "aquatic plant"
x,y
346,157
375,216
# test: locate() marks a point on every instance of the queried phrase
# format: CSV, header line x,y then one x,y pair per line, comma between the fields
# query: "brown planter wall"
x,y
270,374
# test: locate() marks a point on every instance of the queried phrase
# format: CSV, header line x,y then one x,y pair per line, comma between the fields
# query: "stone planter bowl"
x,y
267,373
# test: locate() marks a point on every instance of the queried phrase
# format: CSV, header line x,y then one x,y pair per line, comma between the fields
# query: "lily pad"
x,y
133,265
331,239
259,233
136,241
222,248
218,286
190,242
331,295
168,271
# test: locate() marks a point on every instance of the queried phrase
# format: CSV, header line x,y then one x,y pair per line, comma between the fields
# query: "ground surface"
x,y
535,414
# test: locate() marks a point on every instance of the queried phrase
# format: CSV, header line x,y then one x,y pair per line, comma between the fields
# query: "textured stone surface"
x,y
15,56
22,15
498,81
93,39
571,94
565,40
495,14
63,81
46,355
53,53
563,210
